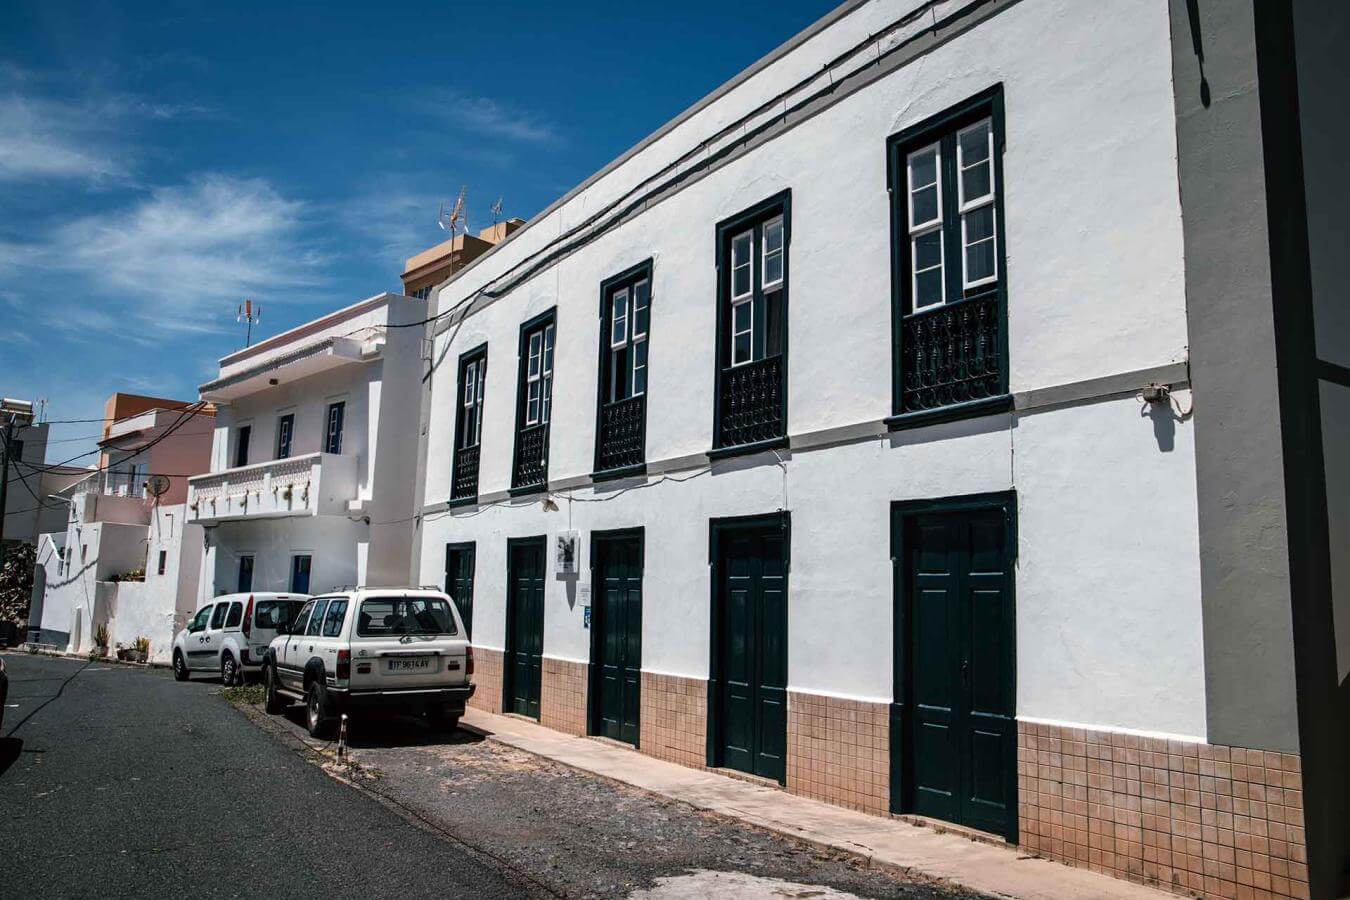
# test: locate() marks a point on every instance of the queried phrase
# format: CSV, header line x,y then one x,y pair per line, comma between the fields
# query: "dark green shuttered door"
x,y
955,666
617,637
459,580
752,650
524,626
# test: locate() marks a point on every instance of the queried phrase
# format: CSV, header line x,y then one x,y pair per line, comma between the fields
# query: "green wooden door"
x,y
459,562
525,627
955,668
752,628
618,638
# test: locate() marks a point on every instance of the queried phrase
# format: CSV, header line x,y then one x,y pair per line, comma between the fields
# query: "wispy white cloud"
x,y
491,118
180,255
45,139
49,134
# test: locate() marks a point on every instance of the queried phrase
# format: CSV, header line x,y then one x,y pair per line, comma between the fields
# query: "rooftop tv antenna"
x,y
456,220
497,211
250,313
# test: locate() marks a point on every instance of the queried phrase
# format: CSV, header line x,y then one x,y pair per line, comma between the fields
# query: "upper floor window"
x,y
534,403
625,323
468,423
950,304
629,319
752,260
285,431
539,376
333,421
241,439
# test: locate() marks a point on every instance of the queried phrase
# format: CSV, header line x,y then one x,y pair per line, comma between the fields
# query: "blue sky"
x,y
161,162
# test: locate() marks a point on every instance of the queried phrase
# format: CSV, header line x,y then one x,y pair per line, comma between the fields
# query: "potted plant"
x,y
140,650
101,639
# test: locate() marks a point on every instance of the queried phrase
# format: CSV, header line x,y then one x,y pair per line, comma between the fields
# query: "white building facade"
x,y
123,561
848,431
317,436
121,565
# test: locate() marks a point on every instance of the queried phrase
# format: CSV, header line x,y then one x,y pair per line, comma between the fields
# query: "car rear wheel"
x,y
316,711
180,669
275,705
443,718
229,671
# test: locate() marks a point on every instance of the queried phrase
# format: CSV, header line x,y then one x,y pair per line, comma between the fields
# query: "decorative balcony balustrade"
x,y
464,479
951,354
316,484
751,408
622,434
531,467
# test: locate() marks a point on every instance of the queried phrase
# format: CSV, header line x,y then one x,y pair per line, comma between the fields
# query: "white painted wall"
x,y
334,543
1107,580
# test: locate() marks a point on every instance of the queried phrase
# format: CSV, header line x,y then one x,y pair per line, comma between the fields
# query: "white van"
x,y
229,635
390,649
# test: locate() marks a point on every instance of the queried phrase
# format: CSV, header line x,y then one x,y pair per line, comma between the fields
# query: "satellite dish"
x,y
157,485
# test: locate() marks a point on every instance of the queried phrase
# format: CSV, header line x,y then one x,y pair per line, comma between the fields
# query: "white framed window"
x,y
618,336
925,226
742,333
642,299
630,319
539,376
976,195
471,430
742,276
772,265
742,295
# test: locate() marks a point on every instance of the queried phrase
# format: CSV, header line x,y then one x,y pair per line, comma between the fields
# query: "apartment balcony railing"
x,y
316,484
464,478
531,465
751,408
115,483
951,354
620,443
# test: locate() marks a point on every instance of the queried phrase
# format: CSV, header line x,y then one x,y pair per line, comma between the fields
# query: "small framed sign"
x,y
566,553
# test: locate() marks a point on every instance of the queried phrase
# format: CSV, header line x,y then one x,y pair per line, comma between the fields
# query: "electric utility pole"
x,y
14,412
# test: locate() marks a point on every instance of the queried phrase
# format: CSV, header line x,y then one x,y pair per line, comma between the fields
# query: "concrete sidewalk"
x,y
972,864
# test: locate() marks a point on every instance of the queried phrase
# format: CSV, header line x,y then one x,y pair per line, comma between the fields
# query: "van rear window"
x,y
381,616
271,613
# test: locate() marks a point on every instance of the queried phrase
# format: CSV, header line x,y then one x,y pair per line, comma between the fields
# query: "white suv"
x,y
391,649
230,634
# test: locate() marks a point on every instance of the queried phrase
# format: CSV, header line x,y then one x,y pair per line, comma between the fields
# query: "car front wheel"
x,y
180,669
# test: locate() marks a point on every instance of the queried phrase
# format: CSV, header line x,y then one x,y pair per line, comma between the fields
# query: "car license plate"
x,y
416,664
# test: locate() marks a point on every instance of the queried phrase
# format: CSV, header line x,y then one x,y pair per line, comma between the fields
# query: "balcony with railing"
x,y
464,477
751,407
316,484
952,356
621,440
530,471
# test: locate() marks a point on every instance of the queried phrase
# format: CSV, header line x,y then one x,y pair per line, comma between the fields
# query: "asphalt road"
x,y
119,781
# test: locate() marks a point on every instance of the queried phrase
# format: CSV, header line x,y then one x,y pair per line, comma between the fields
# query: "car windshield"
x,y
272,613
382,616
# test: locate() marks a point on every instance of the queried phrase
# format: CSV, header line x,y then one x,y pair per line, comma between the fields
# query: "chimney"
x,y
430,267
